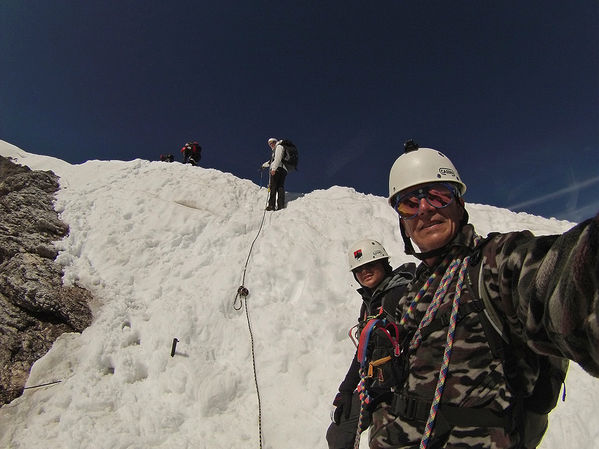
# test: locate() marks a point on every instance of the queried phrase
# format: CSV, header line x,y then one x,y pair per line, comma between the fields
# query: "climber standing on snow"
x,y
192,153
278,173
369,264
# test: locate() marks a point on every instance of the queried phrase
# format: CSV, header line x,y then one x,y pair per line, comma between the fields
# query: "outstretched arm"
x,y
549,289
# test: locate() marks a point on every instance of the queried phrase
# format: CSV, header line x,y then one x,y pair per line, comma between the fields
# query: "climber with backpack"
x,y
483,334
282,160
379,285
192,153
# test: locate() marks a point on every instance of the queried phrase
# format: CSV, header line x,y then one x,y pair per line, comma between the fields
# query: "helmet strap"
x,y
408,248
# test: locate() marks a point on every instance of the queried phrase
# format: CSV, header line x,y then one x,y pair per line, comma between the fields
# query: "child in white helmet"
x,y
369,263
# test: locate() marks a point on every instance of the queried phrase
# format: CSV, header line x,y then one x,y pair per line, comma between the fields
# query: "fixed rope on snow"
x,y
238,303
242,291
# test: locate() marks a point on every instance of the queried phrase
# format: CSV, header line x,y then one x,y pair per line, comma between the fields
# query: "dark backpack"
x,y
196,149
290,157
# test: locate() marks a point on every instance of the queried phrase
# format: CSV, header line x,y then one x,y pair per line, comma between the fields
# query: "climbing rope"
x,y
242,291
410,312
364,400
238,302
430,423
428,317
361,389
431,311
389,330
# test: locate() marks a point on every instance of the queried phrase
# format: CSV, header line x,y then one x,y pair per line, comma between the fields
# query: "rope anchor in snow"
x,y
174,347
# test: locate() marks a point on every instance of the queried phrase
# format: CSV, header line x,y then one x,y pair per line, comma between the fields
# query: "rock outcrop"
x,y
35,307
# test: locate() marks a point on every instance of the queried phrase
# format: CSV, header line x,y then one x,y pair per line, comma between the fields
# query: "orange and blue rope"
x,y
428,429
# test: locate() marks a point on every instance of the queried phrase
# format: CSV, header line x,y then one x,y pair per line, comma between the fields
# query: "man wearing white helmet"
x,y
380,285
278,173
480,319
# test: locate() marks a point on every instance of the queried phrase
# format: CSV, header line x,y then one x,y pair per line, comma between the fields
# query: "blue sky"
x,y
508,90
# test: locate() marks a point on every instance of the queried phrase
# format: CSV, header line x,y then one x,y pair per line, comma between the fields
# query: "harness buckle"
x,y
410,409
405,407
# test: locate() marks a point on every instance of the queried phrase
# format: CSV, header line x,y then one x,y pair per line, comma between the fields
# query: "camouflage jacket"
x,y
547,291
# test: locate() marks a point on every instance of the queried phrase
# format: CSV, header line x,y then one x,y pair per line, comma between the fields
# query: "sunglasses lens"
x,y
408,206
437,195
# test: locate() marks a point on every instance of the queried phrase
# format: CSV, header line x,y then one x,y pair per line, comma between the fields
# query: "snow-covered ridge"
x,y
163,248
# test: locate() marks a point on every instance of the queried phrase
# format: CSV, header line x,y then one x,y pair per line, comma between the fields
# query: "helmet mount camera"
x,y
410,145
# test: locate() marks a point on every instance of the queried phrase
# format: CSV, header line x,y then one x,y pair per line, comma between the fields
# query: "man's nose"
x,y
423,205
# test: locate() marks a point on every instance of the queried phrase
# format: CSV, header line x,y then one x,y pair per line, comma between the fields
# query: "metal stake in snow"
x,y
174,347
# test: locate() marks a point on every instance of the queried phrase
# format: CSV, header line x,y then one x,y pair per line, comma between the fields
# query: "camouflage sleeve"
x,y
548,288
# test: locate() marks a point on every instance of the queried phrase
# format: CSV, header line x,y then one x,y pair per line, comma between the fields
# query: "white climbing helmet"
x,y
365,251
419,166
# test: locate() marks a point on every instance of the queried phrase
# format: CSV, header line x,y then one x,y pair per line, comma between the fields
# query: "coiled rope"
x,y
429,315
238,303
430,423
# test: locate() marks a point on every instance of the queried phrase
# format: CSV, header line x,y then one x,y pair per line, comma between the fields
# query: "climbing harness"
x,y
390,331
350,334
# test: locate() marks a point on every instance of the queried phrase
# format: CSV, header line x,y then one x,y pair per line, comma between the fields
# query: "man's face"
x,y
371,274
434,228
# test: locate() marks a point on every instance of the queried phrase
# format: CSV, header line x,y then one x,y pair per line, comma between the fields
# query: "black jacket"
x,y
387,292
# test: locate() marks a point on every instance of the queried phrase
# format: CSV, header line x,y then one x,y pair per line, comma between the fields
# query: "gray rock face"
x,y
35,308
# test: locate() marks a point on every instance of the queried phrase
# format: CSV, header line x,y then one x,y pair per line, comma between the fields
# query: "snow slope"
x,y
163,248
